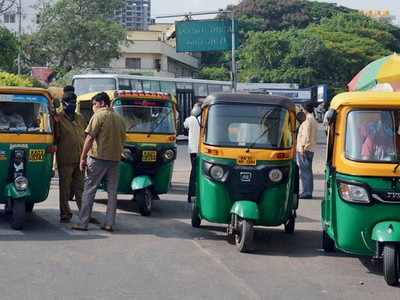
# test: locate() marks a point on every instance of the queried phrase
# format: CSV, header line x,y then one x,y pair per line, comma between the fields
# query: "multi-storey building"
x,y
135,14
29,13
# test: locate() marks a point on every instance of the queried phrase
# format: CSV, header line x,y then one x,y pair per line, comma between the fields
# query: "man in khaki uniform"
x,y
69,137
104,143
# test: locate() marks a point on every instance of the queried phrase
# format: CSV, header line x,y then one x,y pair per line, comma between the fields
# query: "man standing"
x,y
69,134
105,135
306,140
192,123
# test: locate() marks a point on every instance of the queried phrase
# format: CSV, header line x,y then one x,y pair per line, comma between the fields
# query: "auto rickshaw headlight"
x,y
21,183
169,155
217,172
353,193
275,175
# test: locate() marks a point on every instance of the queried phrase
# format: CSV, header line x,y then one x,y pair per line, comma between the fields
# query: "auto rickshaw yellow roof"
x,y
126,94
24,90
367,99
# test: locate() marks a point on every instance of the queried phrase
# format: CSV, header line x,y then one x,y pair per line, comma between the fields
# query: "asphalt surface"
x,y
163,257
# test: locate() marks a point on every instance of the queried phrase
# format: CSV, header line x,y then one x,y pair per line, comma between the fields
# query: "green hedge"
x,y
9,79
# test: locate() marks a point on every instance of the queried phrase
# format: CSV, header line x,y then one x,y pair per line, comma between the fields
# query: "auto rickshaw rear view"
x,y
26,150
246,171
361,207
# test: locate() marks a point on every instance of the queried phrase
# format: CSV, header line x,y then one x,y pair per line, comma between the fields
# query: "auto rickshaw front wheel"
x,y
327,243
18,214
29,207
290,224
144,199
244,235
391,263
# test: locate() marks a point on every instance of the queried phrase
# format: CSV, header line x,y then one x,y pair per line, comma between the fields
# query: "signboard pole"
x,y
234,70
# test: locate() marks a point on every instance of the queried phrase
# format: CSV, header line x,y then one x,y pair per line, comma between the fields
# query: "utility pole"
x,y
19,13
189,15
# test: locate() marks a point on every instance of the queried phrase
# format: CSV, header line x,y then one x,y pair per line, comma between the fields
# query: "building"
x,y
152,52
30,18
381,15
135,14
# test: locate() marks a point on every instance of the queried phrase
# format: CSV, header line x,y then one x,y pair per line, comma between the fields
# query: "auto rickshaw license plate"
x,y
246,160
36,155
149,156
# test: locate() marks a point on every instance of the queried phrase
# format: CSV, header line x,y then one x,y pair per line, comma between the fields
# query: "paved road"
x,y
162,257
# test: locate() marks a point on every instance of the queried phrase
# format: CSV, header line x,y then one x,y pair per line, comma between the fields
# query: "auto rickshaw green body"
x,y
368,226
245,192
36,149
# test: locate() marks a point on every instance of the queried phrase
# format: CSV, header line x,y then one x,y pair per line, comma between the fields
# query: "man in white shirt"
x,y
192,123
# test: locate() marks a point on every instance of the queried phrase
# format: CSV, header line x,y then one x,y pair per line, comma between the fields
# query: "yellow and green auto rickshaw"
x,y
246,172
361,207
150,148
26,150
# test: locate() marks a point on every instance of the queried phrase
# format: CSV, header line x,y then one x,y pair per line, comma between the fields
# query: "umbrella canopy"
x,y
381,74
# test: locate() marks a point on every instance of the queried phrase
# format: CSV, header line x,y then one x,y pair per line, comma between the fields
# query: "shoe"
x,y
107,228
94,221
305,196
79,227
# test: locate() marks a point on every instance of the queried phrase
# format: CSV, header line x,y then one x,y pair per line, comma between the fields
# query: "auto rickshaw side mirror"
x,y
330,116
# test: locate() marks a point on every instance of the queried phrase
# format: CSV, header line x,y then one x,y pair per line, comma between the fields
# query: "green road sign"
x,y
205,35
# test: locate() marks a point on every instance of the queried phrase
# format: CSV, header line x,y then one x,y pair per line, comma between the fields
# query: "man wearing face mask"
x,y
69,138
192,123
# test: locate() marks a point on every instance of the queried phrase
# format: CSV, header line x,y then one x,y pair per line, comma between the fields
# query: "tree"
x,y
8,49
214,73
76,33
6,5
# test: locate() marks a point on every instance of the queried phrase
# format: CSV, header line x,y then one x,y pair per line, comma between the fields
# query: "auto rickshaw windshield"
x,y
24,113
373,135
258,126
147,119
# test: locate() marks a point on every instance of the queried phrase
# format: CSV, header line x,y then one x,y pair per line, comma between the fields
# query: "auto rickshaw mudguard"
x,y
141,182
246,210
387,231
11,192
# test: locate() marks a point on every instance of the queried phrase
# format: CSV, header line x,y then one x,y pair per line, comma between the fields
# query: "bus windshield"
x,y
91,85
147,119
258,126
24,114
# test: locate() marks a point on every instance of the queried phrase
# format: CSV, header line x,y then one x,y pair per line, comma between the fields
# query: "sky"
x,y
163,7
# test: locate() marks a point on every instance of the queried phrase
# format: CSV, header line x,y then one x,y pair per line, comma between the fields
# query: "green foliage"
x,y
8,49
8,79
214,73
75,33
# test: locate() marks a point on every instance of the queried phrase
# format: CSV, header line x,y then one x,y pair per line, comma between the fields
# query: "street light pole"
x,y
19,12
234,71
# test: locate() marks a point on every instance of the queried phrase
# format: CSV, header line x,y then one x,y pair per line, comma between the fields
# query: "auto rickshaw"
x,y
246,172
361,206
150,149
26,150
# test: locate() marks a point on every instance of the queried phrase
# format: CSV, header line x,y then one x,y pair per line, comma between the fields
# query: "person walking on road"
x,y
105,135
69,132
192,123
306,141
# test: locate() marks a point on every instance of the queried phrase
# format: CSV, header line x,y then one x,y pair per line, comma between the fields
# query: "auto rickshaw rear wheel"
x,y
391,263
327,243
196,221
290,224
18,214
244,235
144,198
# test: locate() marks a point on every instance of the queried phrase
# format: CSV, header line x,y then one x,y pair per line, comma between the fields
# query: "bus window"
x,y
150,85
200,90
90,85
226,88
124,84
184,86
168,87
136,85
214,88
